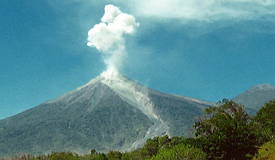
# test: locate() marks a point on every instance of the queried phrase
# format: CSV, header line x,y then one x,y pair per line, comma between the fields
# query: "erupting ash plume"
x,y
109,36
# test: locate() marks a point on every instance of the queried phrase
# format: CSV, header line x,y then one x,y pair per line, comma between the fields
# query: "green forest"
x,y
225,132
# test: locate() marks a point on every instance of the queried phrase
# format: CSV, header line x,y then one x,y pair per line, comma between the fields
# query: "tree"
x,y
227,132
150,148
266,117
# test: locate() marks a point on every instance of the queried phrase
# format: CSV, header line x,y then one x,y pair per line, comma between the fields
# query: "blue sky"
x,y
208,51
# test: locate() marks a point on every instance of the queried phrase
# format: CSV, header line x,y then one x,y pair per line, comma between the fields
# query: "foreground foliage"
x,y
266,117
227,132
180,152
159,148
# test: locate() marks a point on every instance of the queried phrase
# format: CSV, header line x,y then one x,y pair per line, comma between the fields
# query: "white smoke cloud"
x,y
109,35
202,9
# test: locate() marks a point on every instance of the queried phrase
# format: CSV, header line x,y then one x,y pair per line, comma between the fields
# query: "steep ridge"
x,y
178,112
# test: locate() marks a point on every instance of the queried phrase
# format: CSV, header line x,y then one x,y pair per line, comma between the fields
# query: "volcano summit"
x,y
110,112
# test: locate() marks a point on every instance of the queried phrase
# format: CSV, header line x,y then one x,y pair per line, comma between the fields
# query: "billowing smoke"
x,y
109,36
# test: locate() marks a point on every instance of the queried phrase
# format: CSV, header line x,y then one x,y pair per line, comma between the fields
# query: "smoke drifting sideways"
x,y
109,36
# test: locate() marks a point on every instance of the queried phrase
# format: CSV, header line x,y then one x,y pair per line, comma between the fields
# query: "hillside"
x,y
111,112
254,98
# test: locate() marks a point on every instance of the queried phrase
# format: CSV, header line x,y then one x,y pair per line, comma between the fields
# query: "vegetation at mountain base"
x,y
226,132
179,152
266,117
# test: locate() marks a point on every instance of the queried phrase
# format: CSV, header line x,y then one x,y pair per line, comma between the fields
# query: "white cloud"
x,y
109,35
201,9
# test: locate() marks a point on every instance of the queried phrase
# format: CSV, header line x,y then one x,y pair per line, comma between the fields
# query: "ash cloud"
x,y
108,36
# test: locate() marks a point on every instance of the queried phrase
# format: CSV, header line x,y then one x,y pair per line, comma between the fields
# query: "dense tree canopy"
x,y
227,132
266,117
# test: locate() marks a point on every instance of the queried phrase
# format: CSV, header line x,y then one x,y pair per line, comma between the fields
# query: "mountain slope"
x,y
256,97
109,113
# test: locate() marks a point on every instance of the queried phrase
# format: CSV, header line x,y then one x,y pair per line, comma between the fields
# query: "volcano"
x,y
254,98
111,112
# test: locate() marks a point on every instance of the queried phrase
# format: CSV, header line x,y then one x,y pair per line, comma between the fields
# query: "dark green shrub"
x,y
114,155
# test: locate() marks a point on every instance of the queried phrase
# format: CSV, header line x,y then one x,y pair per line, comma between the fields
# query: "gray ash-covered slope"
x,y
109,113
254,98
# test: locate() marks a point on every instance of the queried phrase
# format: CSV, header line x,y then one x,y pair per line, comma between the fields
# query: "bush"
x,y
94,156
266,151
134,155
180,152
152,146
114,155
64,156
